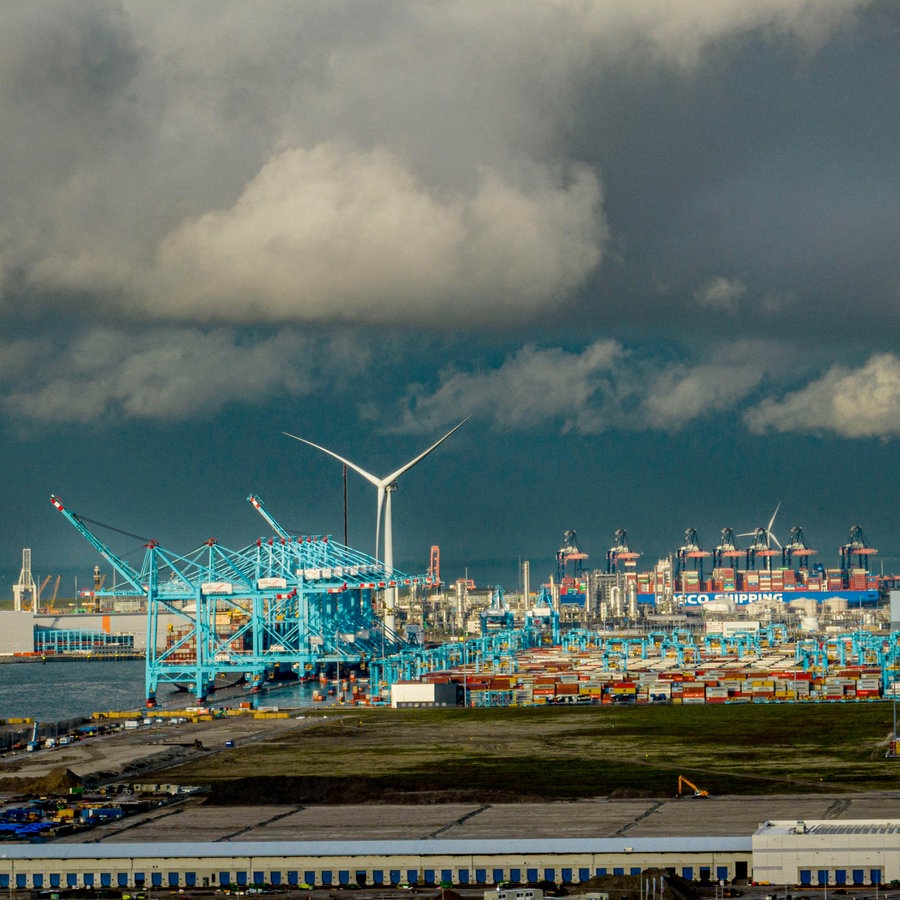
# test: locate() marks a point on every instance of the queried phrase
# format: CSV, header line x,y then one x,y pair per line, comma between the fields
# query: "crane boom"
x,y
260,507
683,782
129,574
55,592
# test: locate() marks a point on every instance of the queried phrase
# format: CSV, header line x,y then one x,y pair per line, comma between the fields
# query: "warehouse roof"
x,y
479,848
830,826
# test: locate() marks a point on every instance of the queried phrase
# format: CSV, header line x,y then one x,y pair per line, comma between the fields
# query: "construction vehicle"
x,y
683,783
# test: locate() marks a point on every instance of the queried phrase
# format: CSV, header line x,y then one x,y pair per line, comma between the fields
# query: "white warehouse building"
x,y
837,852
831,852
429,862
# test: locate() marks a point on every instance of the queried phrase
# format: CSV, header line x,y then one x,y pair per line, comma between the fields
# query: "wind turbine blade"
x,y
367,475
747,534
772,520
389,479
771,523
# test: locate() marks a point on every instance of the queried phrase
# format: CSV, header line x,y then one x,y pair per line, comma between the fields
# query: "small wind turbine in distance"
x,y
386,486
763,539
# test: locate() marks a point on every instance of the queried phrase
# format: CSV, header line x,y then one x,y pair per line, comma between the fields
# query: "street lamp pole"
x,y
894,693
466,675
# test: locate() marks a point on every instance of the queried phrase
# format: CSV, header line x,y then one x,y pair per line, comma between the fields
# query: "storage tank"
x,y
835,606
762,609
805,606
719,605
809,624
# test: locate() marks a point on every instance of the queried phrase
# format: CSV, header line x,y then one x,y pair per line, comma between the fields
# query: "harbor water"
x,y
67,690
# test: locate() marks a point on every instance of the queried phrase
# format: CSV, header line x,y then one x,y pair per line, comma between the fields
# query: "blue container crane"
x,y
291,601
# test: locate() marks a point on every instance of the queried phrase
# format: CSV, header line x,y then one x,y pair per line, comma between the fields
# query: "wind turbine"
x,y
763,538
386,486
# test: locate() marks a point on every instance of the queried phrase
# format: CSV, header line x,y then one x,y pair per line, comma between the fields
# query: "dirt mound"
x,y
673,886
323,790
57,781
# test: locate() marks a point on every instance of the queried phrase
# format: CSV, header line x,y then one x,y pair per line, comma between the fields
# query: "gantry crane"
x,y
570,553
727,550
857,545
796,546
498,614
297,600
542,615
620,552
690,552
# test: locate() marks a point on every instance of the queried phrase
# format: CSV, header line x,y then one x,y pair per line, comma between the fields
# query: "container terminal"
x,y
765,623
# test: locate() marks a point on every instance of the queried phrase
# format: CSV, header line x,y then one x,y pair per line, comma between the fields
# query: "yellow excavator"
x,y
683,783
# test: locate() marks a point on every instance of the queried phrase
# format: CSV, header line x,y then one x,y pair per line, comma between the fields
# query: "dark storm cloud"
x,y
764,164
668,167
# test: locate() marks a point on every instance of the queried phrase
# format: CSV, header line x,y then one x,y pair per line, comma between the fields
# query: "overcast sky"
x,y
651,248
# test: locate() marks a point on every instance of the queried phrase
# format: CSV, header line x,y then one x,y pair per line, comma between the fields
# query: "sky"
x,y
652,249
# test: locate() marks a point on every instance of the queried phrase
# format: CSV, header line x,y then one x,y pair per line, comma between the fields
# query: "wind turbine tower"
x,y
386,487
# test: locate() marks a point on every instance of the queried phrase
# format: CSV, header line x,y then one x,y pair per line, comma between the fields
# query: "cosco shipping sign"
x,y
733,596
853,598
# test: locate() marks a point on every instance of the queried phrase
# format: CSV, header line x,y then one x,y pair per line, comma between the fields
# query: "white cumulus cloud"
x,y
164,374
851,403
600,388
721,293
533,386
335,234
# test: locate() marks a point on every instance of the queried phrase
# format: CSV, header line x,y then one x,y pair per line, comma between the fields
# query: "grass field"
x,y
522,754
